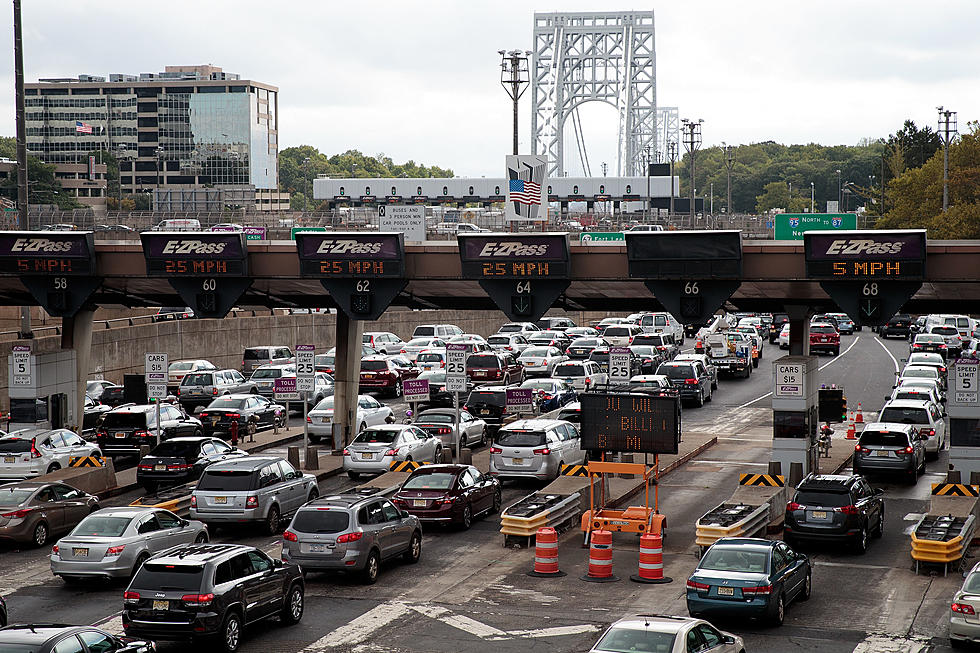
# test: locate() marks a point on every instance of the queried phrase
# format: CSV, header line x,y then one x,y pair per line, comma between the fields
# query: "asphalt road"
x,y
470,593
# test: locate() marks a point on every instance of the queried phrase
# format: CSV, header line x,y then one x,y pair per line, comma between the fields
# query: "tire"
x,y
755,362
804,594
414,552
879,528
498,501
201,538
708,398
53,467
198,433
40,535
230,637
353,475
837,352
437,456
483,437
371,568
292,607
957,643
312,496
778,613
861,541
271,524
143,557
467,519
700,399
397,390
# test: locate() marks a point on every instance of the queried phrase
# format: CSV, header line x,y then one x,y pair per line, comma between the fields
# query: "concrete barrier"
x,y
94,480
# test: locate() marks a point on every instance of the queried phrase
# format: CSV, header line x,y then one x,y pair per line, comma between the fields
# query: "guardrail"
x,y
730,520
941,539
524,518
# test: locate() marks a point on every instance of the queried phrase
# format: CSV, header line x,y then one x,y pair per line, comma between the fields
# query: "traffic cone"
x,y
851,431
651,569
600,558
859,418
546,554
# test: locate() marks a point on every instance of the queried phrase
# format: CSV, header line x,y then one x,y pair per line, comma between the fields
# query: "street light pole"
x,y
672,149
811,197
947,130
514,77
729,164
840,200
22,222
692,142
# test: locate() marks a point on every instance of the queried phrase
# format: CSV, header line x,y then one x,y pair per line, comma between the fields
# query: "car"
x,y
441,331
928,391
264,377
971,349
604,323
178,224
890,448
824,337
31,452
897,325
535,448
113,396
166,313
208,592
571,413
513,343
180,460
929,342
115,542
95,387
351,533
253,413
433,358
92,413
200,388
664,342
33,511
649,632
580,348
550,394
494,367
257,490
581,375
779,320
826,318
926,416
323,386
556,339
705,362
845,325
648,358
127,428
656,381
540,361
742,577
923,372
927,386
755,333
489,403
449,494
646,227
459,228
557,324
384,341
255,357
441,423
581,332
525,328
691,379
834,508
56,638
374,449
177,370
621,335
952,338
917,326
438,395
370,412
783,337
964,627
600,355
385,375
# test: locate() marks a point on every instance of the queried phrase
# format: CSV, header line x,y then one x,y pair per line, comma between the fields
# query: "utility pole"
x,y
514,77
811,197
692,142
840,200
648,162
729,164
711,196
947,130
672,150
22,222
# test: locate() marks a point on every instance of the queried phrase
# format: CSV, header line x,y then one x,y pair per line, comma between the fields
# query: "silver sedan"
x,y
441,422
375,448
541,361
114,542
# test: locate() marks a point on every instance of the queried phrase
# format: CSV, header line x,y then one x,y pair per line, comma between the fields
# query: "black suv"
x,y
45,638
125,429
202,590
180,460
897,326
489,403
835,508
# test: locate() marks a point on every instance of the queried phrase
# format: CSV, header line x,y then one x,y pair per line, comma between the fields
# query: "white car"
x,y
754,333
515,343
925,416
384,341
581,332
429,360
519,327
922,372
621,335
370,412
459,228
922,383
666,634
924,390
646,227
179,369
928,359
29,453
650,381
582,375
540,361
663,323
412,348
467,337
783,338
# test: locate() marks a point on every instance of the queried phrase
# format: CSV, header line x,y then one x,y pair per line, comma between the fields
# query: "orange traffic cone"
x,y
859,417
851,432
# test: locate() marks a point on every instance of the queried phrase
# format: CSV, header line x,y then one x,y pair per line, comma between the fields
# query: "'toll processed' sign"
x,y
520,400
416,390
285,389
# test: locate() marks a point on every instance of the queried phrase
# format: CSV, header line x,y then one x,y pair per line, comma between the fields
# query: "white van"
x,y
663,323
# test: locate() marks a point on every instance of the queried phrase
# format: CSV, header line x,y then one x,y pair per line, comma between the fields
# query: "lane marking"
x,y
359,629
737,439
890,644
728,462
851,565
112,625
555,631
894,362
466,624
830,362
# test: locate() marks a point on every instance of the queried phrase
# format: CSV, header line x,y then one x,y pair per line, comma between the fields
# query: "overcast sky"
x,y
420,79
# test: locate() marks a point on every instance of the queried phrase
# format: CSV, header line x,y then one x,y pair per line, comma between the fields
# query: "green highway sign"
x,y
602,237
790,226
292,232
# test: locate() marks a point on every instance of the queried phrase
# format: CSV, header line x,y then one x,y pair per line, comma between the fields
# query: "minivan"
x,y
255,357
443,331
535,448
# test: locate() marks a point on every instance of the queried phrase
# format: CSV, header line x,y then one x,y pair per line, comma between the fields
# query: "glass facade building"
x,y
189,127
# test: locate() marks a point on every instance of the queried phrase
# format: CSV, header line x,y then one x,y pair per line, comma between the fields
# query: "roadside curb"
x,y
844,463
671,467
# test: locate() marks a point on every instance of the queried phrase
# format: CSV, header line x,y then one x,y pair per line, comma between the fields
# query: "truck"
x,y
730,352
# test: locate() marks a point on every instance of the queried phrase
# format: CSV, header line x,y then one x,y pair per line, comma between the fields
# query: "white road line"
x,y
555,631
727,462
359,629
112,625
830,362
890,644
850,565
894,362
471,626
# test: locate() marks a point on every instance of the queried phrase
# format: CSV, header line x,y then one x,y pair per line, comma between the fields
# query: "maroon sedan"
x,y
449,494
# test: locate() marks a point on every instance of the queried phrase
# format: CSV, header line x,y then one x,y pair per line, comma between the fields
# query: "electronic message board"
x,y
630,422
866,255
47,252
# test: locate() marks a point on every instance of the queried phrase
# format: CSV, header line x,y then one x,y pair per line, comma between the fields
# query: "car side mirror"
x,y
878,491
404,514
278,564
728,639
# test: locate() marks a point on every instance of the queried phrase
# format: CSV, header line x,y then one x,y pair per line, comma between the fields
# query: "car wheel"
x,y
498,501
861,540
837,352
700,399
53,467
467,520
397,392
312,496
755,362
143,557
292,607
272,521
807,588
879,528
414,551
40,537
778,611
437,456
957,643
483,437
198,433
231,633
371,568
201,538
353,475
708,398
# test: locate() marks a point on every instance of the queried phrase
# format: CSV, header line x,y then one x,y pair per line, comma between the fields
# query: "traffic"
x,y
262,539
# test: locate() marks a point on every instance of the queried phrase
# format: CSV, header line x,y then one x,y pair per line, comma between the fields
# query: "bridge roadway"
x,y
773,275
470,593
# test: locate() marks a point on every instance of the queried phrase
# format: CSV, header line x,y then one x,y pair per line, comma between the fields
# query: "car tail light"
x,y
129,595
403,351
758,590
792,506
178,467
115,550
930,432
17,514
942,346
391,452
197,600
907,449
847,510
252,502
214,392
398,501
346,452
350,537
290,536
443,430
233,415
308,420
542,452
496,450
444,502
34,452
193,501
694,585
545,396
588,379
145,467
942,369
178,392
690,381
916,346
142,434
962,608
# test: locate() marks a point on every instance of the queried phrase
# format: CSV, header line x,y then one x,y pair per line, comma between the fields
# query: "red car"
x,y
381,374
449,494
494,367
824,337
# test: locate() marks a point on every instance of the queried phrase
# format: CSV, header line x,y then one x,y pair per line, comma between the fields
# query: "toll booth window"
x,y
789,425
29,410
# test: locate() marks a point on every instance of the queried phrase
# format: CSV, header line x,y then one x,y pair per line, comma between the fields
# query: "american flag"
x,y
525,192
82,127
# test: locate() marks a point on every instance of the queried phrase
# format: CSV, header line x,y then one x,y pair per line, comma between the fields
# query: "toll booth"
x,y
44,397
794,414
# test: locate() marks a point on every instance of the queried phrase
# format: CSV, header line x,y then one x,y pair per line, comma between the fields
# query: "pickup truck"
x,y
731,353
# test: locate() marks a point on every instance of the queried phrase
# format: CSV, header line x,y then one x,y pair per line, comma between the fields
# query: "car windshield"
x,y
268,373
102,526
425,331
225,402
627,640
15,445
419,342
435,418
910,394
429,358
226,480
904,415
374,366
163,577
729,558
510,328
430,481
175,449
321,520
323,360
926,359
617,331
921,373
884,439
945,330
816,328
522,438
12,496
972,583
181,366
536,352
822,498
929,338
198,379
127,421
375,436
325,404
478,397
648,339
569,370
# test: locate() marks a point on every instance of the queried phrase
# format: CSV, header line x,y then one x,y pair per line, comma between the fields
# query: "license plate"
x,y
161,605
160,468
726,591
819,514
9,459
79,553
517,461
120,435
367,456
419,503
485,411
881,453
221,499
316,548
531,363
214,421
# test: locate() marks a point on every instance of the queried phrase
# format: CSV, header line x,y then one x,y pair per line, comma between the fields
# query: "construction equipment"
x,y
634,519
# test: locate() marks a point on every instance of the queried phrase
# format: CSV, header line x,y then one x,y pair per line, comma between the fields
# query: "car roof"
x,y
244,463
529,424
887,426
389,427
907,403
37,633
655,622
827,481
125,511
343,500
190,438
750,542
197,553
446,467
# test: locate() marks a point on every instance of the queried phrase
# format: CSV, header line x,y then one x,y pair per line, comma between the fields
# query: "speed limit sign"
x,y
619,364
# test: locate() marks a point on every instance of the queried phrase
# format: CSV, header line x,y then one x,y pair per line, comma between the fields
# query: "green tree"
x,y
775,195
915,145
